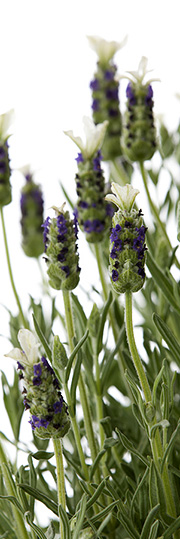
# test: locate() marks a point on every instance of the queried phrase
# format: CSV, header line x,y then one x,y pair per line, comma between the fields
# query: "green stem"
x,y
10,272
121,363
156,444
20,528
155,211
133,349
81,385
60,479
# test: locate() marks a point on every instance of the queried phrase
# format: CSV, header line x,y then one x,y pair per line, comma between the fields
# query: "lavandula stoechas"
x,y
5,171
60,240
127,241
139,134
31,203
93,212
105,95
41,390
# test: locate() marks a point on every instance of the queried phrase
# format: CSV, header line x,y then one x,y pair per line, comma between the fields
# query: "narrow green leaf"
x,y
129,447
172,528
34,527
102,514
96,462
80,519
163,282
75,378
14,501
42,455
72,356
106,367
38,495
42,338
126,522
154,530
102,323
168,336
74,465
65,522
148,522
139,488
96,494
170,445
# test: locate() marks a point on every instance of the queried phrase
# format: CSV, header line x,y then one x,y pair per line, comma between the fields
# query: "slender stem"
x,y
155,210
60,479
20,529
133,349
112,319
24,322
81,385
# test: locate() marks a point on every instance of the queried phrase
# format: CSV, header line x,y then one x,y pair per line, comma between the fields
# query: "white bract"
x,y
29,344
6,120
140,74
123,197
105,49
94,137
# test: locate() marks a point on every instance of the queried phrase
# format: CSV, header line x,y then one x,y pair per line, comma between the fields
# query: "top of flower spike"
x,y
29,353
123,197
6,120
105,49
94,137
139,75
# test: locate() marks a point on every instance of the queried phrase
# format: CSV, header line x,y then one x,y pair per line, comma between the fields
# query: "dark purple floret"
x,y
141,271
75,213
118,228
79,158
2,167
83,204
113,253
98,226
118,245
43,423
94,84
37,369
112,93
37,381
95,104
2,152
46,231
66,270
96,161
108,75
19,366
88,226
62,255
58,405
109,210
127,224
46,365
26,405
115,275
130,94
113,113
149,95
28,177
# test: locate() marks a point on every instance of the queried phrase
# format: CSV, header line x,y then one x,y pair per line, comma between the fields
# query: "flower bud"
x,y
139,134
42,395
60,235
31,204
127,242
105,89
92,210
43,398
5,172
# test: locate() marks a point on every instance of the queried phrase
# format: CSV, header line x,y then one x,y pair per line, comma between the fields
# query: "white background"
x,y
46,66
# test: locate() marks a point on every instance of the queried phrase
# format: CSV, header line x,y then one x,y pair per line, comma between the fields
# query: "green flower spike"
x,y
5,172
31,204
139,134
127,241
60,235
42,395
105,89
93,213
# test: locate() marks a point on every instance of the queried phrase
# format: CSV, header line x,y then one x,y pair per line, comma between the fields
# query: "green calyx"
x,y
32,219
106,107
127,251
61,252
139,134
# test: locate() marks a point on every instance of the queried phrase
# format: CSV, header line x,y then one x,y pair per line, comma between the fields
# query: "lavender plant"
x,y
103,400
